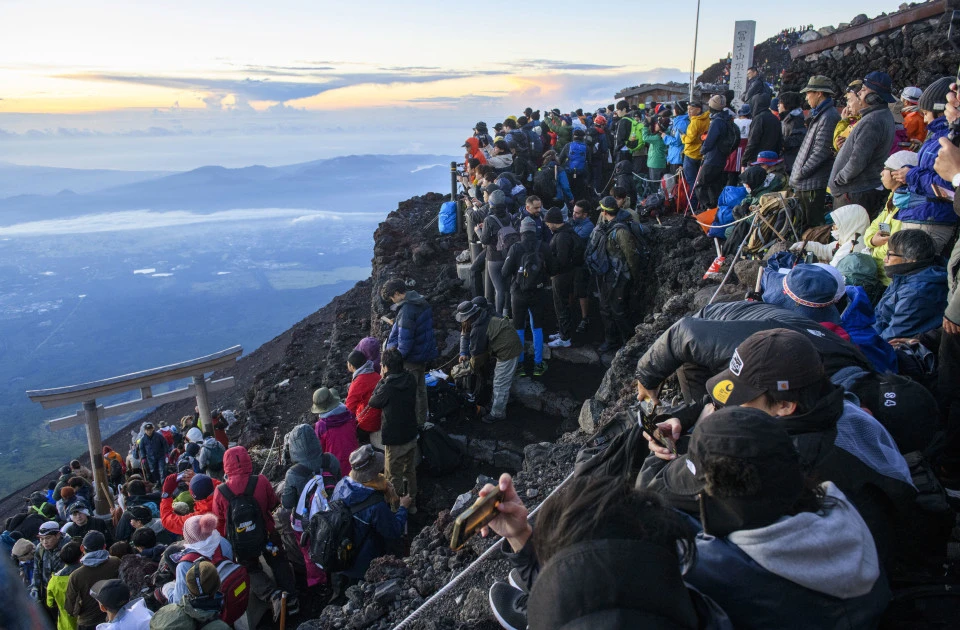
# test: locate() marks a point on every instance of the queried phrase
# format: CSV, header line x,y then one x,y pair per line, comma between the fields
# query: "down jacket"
x,y
814,161
412,332
376,528
860,159
922,178
238,467
913,303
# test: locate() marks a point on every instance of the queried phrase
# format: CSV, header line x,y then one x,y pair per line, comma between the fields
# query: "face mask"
x,y
901,199
835,235
747,188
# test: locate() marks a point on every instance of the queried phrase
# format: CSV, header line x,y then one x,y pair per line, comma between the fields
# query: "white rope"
x,y
726,225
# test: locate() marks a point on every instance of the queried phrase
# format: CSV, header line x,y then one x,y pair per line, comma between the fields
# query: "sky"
x,y
177,84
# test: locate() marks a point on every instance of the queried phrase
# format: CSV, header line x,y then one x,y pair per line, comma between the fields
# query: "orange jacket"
x,y
916,128
473,150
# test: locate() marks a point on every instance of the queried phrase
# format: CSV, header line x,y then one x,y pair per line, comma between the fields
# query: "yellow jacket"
x,y
693,138
887,215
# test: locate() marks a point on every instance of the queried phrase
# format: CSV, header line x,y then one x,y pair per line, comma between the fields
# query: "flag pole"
x,y
693,64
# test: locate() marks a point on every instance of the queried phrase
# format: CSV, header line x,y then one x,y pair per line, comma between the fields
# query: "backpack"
x,y
623,174
246,527
234,584
309,503
596,257
577,157
331,536
214,456
507,235
545,183
531,271
443,401
441,453
729,137
536,142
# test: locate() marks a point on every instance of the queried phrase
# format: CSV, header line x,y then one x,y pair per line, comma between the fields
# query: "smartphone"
x,y
650,426
884,229
474,518
386,320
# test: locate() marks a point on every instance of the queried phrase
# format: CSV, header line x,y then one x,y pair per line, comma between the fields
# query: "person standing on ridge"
x,y
411,335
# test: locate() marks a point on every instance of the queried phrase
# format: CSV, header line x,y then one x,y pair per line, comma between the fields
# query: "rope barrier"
x,y
726,225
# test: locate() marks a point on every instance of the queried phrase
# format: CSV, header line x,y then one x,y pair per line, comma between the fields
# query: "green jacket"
x,y
57,595
184,616
778,183
657,151
503,341
564,133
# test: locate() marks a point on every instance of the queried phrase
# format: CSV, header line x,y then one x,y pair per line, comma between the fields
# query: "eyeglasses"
x,y
894,255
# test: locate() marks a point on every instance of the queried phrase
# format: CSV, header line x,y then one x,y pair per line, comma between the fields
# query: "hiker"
x,y
652,134
210,457
583,226
935,211
363,379
484,336
336,427
810,290
699,123
31,519
766,132
496,247
566,257
202,489
888,222
710,179
151,449
772,177
576,157
855,176
812,166
850,223
200,606
248,544
913,121
189,458
81,471
612,255
551,183
200,536
412,336
370,348
22,555
756,86
123,613
672,136
134,492
914,302
622,198
836,439
526,266
96,564
792,125
602,555
472,145
144,542
69,557
533,209
394,396
82,522
115,466
501,158
46,562
142,517
773,549
377,529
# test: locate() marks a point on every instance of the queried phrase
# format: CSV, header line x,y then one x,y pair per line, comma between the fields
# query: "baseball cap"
x,y
113,594
911,94
79,506
758,366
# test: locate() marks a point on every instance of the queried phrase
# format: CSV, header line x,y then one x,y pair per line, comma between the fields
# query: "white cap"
x,y
911,94
195,435
902,158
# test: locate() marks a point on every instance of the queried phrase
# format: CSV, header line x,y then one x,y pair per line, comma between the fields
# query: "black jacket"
x,y
624,127
489,232
566,251
27,523
528,243
755,87
765,131
77,533
396,396
794,129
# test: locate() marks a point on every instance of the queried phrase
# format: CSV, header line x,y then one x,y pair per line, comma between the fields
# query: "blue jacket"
x,y
376,528
412,332
672,139
922,178
858,320
711,153
583,227
153,448
913,303
730,198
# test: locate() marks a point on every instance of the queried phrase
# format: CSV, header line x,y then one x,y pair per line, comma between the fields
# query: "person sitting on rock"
x,y
811,290
82,523
774,548
914,302
201,489
142,517
364,376
850,224
603,555
336,426
484,336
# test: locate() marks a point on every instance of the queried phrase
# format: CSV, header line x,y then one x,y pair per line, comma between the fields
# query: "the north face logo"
x,y
736,363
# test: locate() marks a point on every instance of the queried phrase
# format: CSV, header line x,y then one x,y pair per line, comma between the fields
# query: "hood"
x,y
410,297
236,462
95,558
195,613
400,380
760,103
337,416
370,348
859,313
703,116
823,417
208,546
611,583
473,145
305,447
366,368
529,240
830,551
849,221
351,492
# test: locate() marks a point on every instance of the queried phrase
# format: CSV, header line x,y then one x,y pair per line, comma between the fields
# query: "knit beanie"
x,y
717,102
934,98
528,225
192,449
197,528
201,486
553,215
902,158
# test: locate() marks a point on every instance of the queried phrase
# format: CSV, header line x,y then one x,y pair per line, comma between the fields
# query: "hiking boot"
x,y
555,335
490,419
521,371
509,606
541,368
560,343
516,581
582,326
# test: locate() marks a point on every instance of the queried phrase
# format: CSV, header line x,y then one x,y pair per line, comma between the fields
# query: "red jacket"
x,y
361,388
238,468
173,522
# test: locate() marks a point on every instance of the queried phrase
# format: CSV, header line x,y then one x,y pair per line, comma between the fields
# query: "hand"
x,y
646,394
902,340
187,475
900,175
840,141
879,240
950,328
406,501
511,523
796,247
464,359
948,160
671,428
170,484
952,112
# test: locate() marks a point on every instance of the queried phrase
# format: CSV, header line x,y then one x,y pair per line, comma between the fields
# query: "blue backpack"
x,y
578,157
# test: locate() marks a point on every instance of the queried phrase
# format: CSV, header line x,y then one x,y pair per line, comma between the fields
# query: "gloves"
x,y
169,486
796,247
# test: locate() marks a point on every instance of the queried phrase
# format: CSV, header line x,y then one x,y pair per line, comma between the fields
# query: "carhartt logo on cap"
x,y
783,386
736,363
722,390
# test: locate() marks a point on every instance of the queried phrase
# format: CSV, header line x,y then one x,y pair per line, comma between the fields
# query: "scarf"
x,y
822,107
380,484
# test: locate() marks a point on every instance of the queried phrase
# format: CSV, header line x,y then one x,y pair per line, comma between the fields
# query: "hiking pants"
x,y
500,285
400,463
562,285
948,395
615,310
419,371
690,169
502,380
812,205
528,308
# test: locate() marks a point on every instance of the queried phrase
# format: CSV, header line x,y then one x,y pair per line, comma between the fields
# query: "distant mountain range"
x,y
350,183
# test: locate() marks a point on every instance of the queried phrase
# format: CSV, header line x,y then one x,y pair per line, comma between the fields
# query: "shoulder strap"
x,y
499,222
227,492
251,485
373,499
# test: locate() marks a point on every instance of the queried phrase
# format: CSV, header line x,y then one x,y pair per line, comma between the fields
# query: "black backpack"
x,y
246,528
545,183
532,270
729,137
441,453
331,536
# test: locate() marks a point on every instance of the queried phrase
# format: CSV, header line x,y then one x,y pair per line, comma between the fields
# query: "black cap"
x,y
609,205
113,594
141,513
777,360
553,215
94,541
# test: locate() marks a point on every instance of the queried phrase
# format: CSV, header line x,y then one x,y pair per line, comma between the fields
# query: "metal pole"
x,y
203,404
693,64
95,446
733,262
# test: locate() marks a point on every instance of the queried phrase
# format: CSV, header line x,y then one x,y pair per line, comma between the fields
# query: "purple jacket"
x,y
337,430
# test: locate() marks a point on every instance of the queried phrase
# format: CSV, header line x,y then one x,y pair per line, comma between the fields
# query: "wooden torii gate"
x,y
91,413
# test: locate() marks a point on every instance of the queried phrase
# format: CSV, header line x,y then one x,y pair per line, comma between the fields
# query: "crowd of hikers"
x,y
815,426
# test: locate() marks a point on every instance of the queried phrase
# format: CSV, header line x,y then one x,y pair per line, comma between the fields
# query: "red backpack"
x,y
234,584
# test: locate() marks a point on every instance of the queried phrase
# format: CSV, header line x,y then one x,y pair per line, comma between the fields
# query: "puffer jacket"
x,y
238,468
337,431
396,395
412,332
913,303
794,130
377,529
860,160
922,178
818,567
309,460
858,320
814,161
362,383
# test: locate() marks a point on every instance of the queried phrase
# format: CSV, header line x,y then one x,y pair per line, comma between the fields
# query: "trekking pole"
x,y
786,209
283,611
736,257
